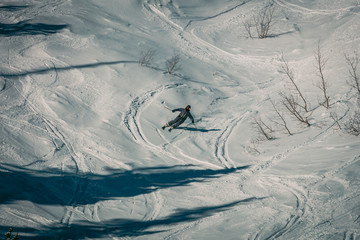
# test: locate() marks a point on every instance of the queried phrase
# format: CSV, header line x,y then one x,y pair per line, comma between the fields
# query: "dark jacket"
x,y
183,115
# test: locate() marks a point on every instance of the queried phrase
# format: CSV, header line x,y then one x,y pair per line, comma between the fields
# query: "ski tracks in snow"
x,y
135,109
59,140
132,122
222,143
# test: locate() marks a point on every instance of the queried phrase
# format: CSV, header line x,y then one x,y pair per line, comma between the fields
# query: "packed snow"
x,y
82,152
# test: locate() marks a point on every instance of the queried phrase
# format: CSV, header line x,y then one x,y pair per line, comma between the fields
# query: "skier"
x,y
184,113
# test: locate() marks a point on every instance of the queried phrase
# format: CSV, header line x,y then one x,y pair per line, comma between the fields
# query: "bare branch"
x,y
263,21
283,122
353,62
352,126
285,68
320,64
248,26
146,57
294,109
172,64
262,128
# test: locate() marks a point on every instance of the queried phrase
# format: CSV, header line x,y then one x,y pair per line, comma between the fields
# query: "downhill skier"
x,y
184,113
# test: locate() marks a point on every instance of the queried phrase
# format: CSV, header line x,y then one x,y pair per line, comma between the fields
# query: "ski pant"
x,y
176,122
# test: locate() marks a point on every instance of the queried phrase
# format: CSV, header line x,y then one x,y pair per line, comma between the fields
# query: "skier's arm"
x,y
177,110
191,117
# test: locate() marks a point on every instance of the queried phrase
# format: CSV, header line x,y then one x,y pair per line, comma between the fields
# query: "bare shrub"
x,y
172,64
254,147
248,25
291,103
352,126
285,68
147,57
282,121
263,129
353,62
320,64
261,21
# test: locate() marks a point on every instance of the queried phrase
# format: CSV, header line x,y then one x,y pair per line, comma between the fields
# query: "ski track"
x,y
79,163
222,143
301,198
131,118
131,121
303,10
173,151
297,213
191,41
216,15
195,45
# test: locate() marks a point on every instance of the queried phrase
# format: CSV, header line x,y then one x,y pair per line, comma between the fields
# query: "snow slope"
x,y
82,152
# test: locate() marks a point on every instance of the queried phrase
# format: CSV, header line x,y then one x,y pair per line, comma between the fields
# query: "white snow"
x,y
82,152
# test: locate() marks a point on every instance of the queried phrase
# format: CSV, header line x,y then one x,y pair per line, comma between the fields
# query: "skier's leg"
x,y
169,124
176,124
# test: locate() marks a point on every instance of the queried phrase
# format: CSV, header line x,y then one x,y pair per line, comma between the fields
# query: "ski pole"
x,y
168,108
163,103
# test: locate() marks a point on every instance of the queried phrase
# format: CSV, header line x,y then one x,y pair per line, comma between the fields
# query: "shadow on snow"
x,y
59,69
125,227
12,8
198,129
51,187
27,28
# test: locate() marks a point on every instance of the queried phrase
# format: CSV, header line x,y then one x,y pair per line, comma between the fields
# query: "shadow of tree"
x,y
26,28
53,188
59,69
127,227
12,8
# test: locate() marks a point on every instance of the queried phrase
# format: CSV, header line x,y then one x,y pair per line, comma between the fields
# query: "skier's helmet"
x,y
188,107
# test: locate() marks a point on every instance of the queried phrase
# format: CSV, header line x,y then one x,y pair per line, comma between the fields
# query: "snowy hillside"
x,y
82,152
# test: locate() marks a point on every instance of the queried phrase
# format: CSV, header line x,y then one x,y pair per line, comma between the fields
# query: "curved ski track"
x,y
222,142
131,118
131,121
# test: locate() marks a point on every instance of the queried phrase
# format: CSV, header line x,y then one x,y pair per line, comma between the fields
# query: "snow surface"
x,y
82,152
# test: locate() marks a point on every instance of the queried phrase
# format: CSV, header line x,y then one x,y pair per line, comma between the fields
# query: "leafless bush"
x,y
254,146
320,64
282,121
263,129
172,64
353,62
352,126
248,25
285,68
146,57
291,103
261,21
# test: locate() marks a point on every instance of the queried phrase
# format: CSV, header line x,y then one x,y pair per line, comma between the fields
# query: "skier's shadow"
x,y
199,129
